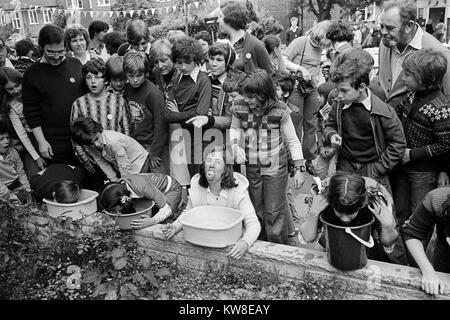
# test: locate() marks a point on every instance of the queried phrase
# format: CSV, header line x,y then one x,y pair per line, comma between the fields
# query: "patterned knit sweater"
x,y
425,117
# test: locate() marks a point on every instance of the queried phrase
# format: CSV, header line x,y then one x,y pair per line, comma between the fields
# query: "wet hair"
x,y
259,84
160,48
23,47
97,26
114,67
136,31
50,34
7,74
236,14
66,191
224,49
407,9
355,65
205,36
135,62
116,195
94,66
84,130
228,181
175,35
325,88
427,66
347,192
271,42
187,49
113,40
74,31
340,31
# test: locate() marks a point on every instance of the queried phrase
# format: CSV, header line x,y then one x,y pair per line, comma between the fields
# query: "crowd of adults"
x,y
186,121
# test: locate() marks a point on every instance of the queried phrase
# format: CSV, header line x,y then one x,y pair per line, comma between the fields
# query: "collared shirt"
x,y
367,102
193,74
120,152
398,57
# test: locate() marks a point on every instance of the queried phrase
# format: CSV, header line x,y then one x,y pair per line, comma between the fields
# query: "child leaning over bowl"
x,y
112,151
164,190
60,182
217,185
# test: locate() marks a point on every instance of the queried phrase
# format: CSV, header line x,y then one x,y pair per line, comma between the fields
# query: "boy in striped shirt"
x,y
103,106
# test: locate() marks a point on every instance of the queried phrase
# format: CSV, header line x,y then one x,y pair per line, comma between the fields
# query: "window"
x,y
74,4
420,13
32,16
2,19
104,3
47,15
16,21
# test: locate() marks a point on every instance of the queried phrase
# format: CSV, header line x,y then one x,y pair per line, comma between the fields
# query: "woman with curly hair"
x,y
217,185
77,42
250,52
340,34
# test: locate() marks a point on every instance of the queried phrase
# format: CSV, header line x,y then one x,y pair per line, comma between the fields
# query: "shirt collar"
x,y
193,74
416,41
221,78
367,102
223,193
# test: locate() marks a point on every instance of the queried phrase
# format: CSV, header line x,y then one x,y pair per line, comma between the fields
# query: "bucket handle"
x,y
368,244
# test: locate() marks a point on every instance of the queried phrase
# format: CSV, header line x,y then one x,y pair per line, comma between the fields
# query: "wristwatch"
x,y
302,168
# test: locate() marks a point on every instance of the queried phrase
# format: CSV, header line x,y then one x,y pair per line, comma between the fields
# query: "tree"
x,y
119,22
322,8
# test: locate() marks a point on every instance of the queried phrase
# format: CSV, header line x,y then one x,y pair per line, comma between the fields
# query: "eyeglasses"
x,y
55,53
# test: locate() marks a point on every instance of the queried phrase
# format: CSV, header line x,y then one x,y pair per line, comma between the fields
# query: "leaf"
x,y
223,296
163,272
100,289
151,278
92,277
140,279
111,295
120,264
117,252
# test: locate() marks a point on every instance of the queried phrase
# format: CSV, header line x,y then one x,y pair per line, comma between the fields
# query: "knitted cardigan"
x,y
425,117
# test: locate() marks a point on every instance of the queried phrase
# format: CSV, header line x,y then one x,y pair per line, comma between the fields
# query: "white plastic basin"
x,y
86,205
143,206
212,226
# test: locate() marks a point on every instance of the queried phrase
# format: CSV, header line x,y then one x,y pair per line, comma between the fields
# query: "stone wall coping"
x,y
388,276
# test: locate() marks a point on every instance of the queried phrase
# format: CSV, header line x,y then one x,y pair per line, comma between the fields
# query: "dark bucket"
x,y
346,247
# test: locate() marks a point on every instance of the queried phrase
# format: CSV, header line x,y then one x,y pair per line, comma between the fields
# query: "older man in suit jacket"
x,y
401,35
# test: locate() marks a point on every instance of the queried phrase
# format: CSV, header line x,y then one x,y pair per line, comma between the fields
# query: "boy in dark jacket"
x,y
367,132
146,104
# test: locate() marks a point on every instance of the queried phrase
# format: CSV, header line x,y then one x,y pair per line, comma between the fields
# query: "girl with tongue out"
x,y
218,185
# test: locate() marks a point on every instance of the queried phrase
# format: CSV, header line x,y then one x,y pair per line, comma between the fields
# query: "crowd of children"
x,y
184,122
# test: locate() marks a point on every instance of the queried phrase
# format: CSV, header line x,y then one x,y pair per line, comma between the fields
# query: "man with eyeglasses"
x,y
49,88
402,35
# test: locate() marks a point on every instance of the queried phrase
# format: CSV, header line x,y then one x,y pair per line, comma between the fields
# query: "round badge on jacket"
x,y
248,55
72,79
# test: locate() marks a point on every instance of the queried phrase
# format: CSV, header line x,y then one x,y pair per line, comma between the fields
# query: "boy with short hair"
x,y
115,75
14,184
367,131
146,104
115,153
425,115
109,109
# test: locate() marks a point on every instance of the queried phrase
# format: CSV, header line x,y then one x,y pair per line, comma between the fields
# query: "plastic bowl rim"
x,y
92,197
182,218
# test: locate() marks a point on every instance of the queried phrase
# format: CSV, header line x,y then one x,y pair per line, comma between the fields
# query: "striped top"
x,y
111,112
